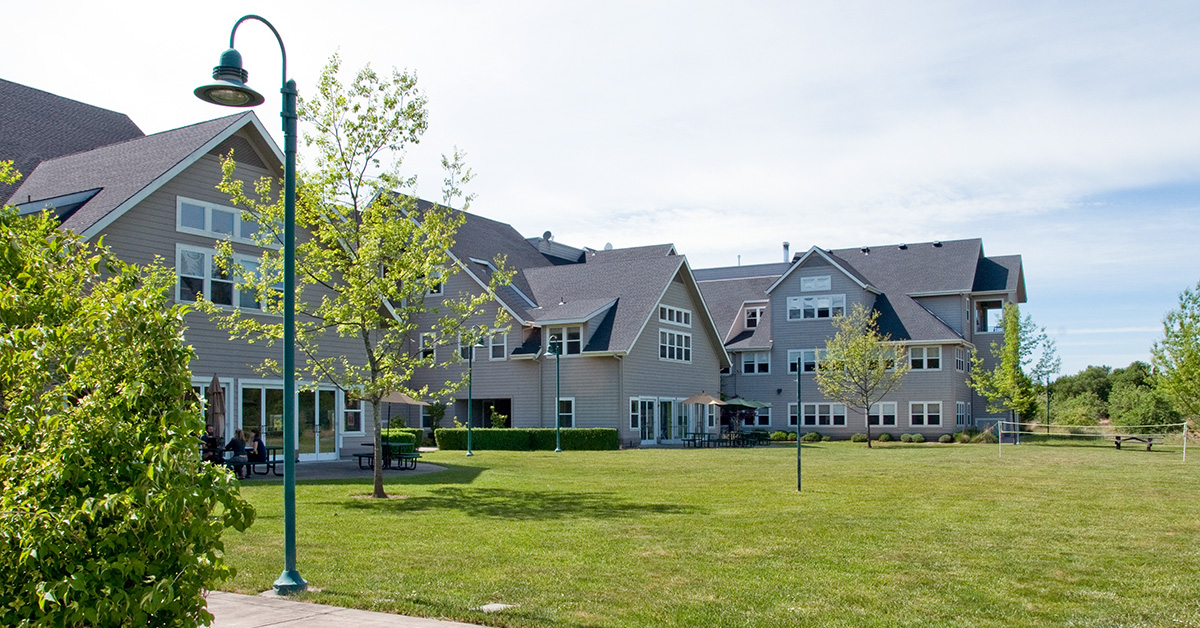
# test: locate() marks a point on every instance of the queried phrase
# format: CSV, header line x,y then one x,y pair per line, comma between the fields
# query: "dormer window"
x,y
754,314
569,340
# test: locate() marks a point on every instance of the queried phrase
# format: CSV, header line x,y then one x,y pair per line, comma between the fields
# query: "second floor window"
x,y
498,346
674,346
756,362
200,274
925,358
810,358
428,346
569,340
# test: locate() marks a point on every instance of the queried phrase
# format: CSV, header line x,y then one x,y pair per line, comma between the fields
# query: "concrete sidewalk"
x,y
257,611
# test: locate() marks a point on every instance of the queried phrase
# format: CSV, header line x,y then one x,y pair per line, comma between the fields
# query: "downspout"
x,y
622,402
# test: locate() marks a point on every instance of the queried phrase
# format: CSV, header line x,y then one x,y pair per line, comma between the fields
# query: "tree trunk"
x,y
378,449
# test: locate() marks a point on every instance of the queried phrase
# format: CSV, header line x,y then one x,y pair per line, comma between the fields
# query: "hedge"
x,y
414,435
527,439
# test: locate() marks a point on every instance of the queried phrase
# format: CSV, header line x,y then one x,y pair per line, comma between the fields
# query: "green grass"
x,y
902,535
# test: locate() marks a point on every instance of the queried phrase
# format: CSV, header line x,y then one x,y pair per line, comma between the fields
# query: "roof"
x,y
125,172
37,125
631,253
725,298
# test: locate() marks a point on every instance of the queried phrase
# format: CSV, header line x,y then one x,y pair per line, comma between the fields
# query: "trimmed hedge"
x,y
414,435
527,439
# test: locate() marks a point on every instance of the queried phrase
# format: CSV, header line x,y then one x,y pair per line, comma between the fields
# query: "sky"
x,y
1064,132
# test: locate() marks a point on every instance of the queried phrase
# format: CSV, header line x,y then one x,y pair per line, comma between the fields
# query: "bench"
x,y
366,461
406,456
1149,440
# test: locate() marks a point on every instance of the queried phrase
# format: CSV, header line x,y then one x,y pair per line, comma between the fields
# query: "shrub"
x,y
885,438
918,438
906,438
414,435
986,437
826,438
527,439
858,438
965,436
781,435
811,437
108,517
945,438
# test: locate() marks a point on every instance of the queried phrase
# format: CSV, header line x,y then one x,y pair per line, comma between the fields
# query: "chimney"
x,y
787,252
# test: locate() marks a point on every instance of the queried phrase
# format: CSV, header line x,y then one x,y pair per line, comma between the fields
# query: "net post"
x,y
1185,441
1000,438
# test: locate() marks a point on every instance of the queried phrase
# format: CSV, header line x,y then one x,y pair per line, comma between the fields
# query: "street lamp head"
x,y
229,88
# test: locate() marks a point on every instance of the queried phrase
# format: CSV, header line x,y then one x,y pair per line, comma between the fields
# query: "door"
x,y
316,412
646,414
666,416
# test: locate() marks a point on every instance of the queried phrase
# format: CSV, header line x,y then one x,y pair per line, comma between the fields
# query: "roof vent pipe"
x,y
786,252
903,247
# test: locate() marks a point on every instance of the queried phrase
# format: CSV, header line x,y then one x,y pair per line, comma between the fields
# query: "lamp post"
x,y
556,350
229,89
470,361
799,413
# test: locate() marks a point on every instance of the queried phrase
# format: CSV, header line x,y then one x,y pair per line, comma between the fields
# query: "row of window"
x,y
882,414
919,359
497,346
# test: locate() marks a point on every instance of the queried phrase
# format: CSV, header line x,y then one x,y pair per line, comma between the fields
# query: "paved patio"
x,y
232,610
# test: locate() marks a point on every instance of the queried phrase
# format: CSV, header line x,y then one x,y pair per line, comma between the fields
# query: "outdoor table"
x,y
271,463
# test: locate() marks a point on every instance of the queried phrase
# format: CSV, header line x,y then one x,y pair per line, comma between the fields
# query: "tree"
x,y
1026,358
108,517
371,256
1145,407
860,366
1094,379
1177,356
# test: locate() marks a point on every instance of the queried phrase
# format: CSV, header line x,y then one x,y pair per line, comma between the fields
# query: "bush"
x,y
781,435
1085,408
1144,408
965,436
945,438
858,438
918,438
826,438
811,437
108,517
985,437
527,439
906,438
413,435
885,438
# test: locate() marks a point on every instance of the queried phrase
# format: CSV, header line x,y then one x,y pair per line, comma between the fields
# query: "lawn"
x,y
917,535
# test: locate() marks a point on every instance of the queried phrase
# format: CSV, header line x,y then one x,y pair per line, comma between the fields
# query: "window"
x,y
756,362
806,308
762,417
925,358
566,412
824,414
792,414
810,357
567,339
216,221
989,317
815,284
635,417
436,286
925,413
960,359
352,415
675,315
674,346
754,314
882,413
199,275
712,416
428,347
962,414
498,346
426,418
464,351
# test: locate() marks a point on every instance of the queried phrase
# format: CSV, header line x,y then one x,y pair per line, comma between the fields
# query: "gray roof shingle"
x,y
37,125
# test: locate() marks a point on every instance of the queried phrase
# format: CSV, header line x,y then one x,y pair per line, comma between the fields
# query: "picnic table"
x,y
402,456
269,465
1149,440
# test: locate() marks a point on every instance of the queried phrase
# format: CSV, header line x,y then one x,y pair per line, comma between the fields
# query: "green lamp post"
x,y
799,412
555,349
470,373
229,89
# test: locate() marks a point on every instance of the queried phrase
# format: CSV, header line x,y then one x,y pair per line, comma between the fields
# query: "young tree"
x,y
860,366
108,517
1027,357
1177,355
371,256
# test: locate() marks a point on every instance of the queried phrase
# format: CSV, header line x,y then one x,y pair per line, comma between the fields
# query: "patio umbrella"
x,y
399,397
738,402
216,407
704,399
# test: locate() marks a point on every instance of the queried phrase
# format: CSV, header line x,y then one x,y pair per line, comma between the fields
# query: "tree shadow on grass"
x,y
453,474
511,504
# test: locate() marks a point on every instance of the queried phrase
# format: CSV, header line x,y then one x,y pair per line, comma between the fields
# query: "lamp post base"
x,y
289,583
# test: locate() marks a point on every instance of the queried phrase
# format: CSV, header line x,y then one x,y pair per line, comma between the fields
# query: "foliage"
x,y
414,435
783,436
906,438
811,437
437,414
370,257
107,516
1141,406
1177,356
860,366
528,439
945,438
987,437
498,420
886,437
859,437
918,438
1025,358
1085,408
1094,379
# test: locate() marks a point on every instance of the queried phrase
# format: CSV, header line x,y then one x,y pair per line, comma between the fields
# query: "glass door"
x,y
316,412
646,414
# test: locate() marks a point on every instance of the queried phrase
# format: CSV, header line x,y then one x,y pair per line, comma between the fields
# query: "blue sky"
x,y
1066,132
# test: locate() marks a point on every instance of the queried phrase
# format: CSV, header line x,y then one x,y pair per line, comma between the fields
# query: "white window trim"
x,y
815,283
210,256
816,414
665,312
424,346
682,347
502,344
437,289
207,231
925,414
558,412
563,331
836,301
362,426
759,310
877,409
804,354
766,355
924,358
960,359
960,413
635,413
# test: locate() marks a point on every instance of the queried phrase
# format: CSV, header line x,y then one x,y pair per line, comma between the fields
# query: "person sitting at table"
x,y
237,444
258,449
210,447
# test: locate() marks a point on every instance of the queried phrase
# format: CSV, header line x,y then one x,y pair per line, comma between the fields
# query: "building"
x,y
942,300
